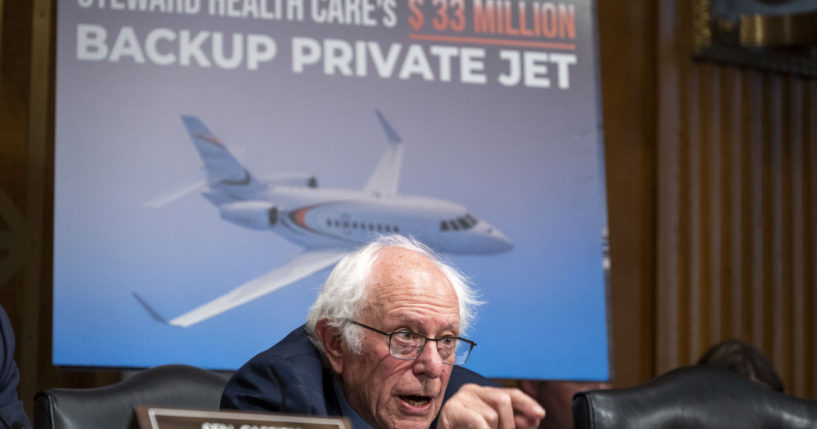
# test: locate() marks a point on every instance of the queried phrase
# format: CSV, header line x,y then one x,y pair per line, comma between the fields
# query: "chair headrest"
x,y
171,386
693,397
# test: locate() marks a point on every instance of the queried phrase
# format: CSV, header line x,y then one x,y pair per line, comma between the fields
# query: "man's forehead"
x,y
402,268
400,272
409,288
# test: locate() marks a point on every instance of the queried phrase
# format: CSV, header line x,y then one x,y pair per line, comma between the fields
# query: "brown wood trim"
x,y
39,124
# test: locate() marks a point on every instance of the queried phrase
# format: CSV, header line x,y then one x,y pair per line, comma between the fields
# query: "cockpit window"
x,y
462,223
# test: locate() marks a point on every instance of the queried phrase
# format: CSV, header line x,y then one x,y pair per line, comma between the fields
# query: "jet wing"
x,y
386,175
299,267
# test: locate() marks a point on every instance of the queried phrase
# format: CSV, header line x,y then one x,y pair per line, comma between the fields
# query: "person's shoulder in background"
x,y
12,413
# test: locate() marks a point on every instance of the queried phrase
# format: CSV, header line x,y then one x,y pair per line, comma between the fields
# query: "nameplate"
x,y
173,418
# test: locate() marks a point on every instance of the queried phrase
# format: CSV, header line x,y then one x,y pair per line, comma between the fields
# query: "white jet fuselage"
x,y
318,217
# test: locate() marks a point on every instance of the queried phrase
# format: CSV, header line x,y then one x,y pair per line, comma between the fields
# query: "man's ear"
x,y
332,341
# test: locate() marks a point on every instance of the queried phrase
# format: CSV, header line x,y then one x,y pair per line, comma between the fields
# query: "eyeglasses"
x,y
407,345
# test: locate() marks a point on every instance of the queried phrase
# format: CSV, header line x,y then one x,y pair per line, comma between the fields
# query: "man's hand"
x,y
481,407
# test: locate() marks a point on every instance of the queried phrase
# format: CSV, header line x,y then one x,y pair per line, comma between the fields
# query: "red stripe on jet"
x,y
210,139
299,217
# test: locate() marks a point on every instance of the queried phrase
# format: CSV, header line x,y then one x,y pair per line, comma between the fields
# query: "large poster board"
x,y
214,158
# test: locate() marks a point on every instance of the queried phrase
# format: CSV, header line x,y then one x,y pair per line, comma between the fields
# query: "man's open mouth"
x,y
416,401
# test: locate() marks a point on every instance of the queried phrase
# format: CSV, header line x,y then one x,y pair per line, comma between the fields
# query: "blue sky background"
x,y
525,160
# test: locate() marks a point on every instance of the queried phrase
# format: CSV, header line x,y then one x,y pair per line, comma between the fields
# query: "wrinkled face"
x,y
407,292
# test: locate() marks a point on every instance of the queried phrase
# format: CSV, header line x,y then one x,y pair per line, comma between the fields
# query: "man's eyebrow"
x,y
410,321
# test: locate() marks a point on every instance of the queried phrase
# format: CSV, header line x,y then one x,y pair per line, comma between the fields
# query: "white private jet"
x,y
327,223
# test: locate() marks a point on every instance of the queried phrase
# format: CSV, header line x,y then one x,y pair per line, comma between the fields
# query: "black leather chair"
x,y
693,397
111,407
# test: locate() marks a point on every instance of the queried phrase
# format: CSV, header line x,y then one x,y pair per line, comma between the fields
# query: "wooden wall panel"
x,y
671,271
39,191
628,85
736,209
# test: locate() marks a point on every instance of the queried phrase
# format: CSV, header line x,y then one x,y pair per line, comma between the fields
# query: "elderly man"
x,y
382,346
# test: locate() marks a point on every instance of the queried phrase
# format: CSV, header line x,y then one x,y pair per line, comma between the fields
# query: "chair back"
x,y
111,407
693,397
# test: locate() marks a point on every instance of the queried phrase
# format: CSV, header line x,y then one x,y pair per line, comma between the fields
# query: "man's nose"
x,y
429,363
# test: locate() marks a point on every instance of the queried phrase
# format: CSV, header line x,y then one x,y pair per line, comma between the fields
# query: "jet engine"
x,y
250,214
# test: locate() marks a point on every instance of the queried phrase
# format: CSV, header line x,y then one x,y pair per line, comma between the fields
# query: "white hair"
x,y
344,293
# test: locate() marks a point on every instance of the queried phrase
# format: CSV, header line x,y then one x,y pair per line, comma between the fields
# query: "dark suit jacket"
x,y
289,377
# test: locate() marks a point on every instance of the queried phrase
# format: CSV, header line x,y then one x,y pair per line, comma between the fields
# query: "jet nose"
x,y
493,240
501,241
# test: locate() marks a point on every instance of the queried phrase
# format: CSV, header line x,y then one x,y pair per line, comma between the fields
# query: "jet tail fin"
x,y
387,128
222,169
386,175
